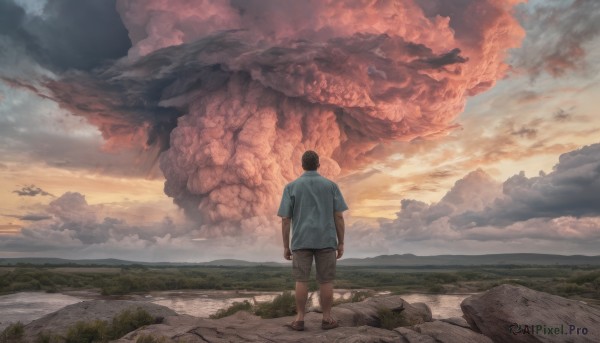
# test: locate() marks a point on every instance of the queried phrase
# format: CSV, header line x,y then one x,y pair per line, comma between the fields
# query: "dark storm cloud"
x,y
12,18
141,100
571,189
449,58
31,217
70,219
560,205
35,217
230,108
68,34
558,33
31,191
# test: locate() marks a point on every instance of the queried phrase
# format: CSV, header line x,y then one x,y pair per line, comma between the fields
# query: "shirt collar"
x,y
310,173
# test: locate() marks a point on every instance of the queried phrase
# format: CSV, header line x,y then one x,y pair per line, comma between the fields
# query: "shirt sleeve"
x,y
339,204
286,207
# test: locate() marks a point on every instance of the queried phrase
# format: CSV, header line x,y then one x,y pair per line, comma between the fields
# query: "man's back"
x,y
311,201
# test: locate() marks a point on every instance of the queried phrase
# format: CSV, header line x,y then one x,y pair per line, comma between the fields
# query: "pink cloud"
x,y
333,76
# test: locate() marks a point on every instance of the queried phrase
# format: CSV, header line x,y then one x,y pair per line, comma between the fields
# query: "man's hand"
x,y
340,250
287,253
340,228
286,223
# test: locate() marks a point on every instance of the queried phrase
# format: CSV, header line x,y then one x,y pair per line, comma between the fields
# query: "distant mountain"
x,y
410,260
239,263
61,261
406,260
115,262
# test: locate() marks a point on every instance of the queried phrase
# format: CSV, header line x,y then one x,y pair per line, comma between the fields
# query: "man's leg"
x,y
326,299
325,259
301,264
301,296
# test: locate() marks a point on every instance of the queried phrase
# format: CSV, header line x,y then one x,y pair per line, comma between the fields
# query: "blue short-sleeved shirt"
x,y
311,201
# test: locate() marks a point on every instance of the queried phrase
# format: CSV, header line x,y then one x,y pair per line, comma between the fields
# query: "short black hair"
x,y
310,160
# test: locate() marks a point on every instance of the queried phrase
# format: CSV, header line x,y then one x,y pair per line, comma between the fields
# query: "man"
x,y
314,207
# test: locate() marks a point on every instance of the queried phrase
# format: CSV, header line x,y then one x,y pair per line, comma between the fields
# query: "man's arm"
x,y
285,231
340,228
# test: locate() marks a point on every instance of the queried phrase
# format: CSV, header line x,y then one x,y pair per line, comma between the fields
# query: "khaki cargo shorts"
x,y
324,260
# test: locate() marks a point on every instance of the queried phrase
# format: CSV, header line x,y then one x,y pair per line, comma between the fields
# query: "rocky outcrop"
x,y
443,332
488,318
366,312
358,323
509,313
244,327
59,322
459,321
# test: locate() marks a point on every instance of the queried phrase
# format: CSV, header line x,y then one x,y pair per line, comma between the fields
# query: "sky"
x,y
166,130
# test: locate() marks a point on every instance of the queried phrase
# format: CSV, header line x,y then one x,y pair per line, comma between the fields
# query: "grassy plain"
x,y
578,282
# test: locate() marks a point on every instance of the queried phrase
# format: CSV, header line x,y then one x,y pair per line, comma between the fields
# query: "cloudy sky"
x,y
166,130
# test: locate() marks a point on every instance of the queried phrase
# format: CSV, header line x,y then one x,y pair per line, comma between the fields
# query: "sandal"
x,y
297,325
329,324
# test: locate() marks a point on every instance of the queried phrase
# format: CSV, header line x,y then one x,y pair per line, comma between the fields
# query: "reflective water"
x,y
441,305
28,306
205,303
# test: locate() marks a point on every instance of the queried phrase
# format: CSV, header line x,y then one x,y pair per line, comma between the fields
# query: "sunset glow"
x,y
166,130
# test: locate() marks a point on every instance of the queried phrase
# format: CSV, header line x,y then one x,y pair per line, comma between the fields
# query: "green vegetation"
x,y
581,282
143,279
356,296
102,331
46,337
130,320
235,307
87,332
390,320
283,305
13,333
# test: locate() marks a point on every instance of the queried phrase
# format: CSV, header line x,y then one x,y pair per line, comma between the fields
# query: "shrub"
x,y
87,332
129,320
355,297
13,333
235,307
580,279
101,331
46,337
283,305
359,296
390,320
436,289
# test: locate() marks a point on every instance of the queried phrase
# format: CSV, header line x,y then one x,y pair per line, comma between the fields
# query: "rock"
x,y
458,321
59,322
411,336
358,323
365,312
244,327
510,313
487,318
425,310
443,332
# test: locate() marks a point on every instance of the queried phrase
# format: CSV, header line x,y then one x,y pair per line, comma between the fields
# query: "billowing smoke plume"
x,y
235,91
